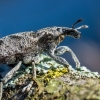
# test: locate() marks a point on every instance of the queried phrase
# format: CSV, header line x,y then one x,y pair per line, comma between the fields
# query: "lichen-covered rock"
x,y
53,82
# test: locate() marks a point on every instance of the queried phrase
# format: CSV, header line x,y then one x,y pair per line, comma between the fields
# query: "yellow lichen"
x,y
54,73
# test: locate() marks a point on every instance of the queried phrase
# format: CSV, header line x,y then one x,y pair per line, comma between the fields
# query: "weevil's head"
x,y
56,35
74,32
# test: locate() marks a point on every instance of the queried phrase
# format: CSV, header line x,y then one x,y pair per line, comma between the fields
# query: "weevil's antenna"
x,y
79,20
83,26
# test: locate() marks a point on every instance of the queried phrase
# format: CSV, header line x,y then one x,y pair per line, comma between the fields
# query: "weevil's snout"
x,y
74,33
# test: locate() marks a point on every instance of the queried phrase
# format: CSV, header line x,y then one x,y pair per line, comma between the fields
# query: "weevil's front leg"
x,y
62,49
58,59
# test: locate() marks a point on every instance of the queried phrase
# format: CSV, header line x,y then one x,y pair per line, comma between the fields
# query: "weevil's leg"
x,y
11,72
34,59
58,59
33,69
28,59
27,88
8,76
62,49
1,89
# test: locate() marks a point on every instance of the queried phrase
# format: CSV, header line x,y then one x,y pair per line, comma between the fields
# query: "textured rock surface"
x,y
80,84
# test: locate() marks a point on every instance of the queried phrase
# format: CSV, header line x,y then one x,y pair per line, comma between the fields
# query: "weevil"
x,y
27,46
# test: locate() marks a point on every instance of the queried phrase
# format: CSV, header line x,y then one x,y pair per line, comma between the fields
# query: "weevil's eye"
x,y
59,30
66,31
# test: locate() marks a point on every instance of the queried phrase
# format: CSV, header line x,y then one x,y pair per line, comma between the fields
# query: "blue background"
x,y
26,15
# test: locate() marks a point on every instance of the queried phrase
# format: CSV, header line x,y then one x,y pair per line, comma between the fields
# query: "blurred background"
x,y
31,15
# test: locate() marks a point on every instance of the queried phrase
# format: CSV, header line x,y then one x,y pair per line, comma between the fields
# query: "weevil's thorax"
x,y
48,36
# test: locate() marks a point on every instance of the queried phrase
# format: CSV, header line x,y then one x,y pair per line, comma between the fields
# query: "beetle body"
x,y
26,46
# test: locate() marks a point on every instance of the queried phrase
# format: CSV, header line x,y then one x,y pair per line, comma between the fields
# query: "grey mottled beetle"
x,y
26,46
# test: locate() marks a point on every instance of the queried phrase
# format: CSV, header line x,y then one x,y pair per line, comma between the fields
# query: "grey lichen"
x,y
78,84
